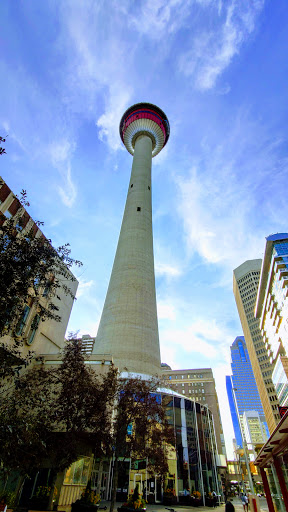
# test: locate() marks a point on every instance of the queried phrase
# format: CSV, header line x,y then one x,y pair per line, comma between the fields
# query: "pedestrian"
x,y
214,497
229,507
244,501
3,504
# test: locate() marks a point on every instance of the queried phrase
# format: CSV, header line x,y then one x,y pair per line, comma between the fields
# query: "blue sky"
x,y
218,69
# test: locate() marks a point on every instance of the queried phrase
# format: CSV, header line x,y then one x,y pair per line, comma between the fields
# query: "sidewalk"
x,y
184,508
158,507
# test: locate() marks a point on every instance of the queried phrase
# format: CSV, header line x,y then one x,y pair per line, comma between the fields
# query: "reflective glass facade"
x,y
192,461
244,386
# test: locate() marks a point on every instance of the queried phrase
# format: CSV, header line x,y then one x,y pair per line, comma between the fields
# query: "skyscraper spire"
x,y
128,327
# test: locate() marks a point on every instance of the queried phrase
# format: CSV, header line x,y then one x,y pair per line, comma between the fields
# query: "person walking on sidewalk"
x,y
214,497
229,507
245,501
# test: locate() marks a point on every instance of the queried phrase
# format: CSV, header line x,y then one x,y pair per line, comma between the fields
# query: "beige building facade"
x,y
199,385
42,337
254,431
245,285
272,310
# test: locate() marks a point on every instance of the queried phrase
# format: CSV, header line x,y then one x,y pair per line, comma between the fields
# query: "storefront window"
x,y
78,472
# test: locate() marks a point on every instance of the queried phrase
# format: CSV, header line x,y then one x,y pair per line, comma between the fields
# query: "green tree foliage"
x,y
32,273
54,414
2,150
140,427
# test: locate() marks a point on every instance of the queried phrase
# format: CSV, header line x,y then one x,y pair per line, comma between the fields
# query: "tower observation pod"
x,y
128,328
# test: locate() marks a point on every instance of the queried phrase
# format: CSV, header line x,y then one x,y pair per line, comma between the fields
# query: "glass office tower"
x,y
243,384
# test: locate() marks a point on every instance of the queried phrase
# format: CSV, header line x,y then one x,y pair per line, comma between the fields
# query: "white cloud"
x,y
226,196
206,337
155,17
211,51
61,153
90,75
108,123
83,287
166,269
165,311
68,192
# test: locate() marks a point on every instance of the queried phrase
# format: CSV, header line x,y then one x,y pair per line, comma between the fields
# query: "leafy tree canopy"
x,y
53,414
32,273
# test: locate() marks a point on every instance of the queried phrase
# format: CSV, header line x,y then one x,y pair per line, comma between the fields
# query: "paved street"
x,y
183,508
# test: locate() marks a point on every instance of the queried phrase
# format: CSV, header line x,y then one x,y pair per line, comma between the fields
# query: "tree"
x,y
140,427
53,413
32,273
2,150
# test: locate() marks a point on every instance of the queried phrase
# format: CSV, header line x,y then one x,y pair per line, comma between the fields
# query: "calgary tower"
x,y
128,328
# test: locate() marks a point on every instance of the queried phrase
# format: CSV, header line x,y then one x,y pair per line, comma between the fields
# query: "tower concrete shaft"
x,y
128,328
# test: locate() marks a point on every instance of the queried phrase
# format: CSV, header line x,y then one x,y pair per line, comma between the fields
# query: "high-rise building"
x,y
128,327
254,431
87,344
243,387
43,337
199,384
233,412
272,310
245,286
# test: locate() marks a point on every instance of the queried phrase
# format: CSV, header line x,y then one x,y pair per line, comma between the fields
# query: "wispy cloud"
x,y
83,287
223,201
166,269
211,51
92,76
108,123
155,17
165,311
61,153
202,337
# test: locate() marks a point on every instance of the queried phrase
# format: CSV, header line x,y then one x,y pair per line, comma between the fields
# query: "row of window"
x,y
273,398
247,277
196,398
244,287
198,376
263,358
190,384
261,351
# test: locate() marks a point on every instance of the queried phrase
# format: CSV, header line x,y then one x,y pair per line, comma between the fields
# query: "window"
x,y
33,329
8,214
138,208
22,321
148,187
131,185
78,472
47,289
